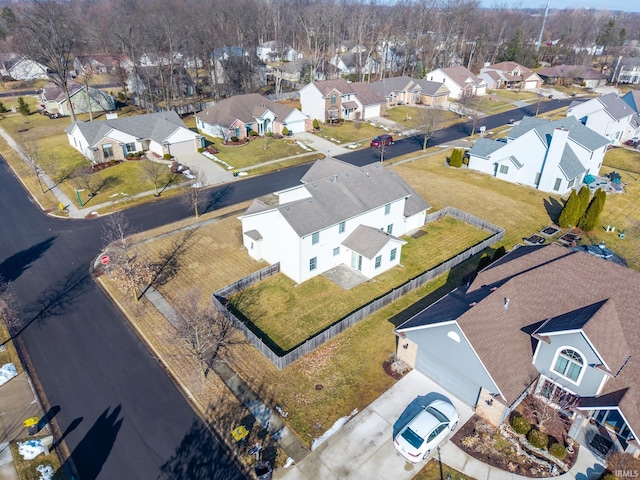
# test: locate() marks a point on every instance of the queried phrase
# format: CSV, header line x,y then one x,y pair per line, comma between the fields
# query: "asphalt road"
x,y
120,414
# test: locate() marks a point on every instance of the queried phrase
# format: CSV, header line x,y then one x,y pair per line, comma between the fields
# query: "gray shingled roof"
x,y
242,107
368,241
340,191
485,147
570,164
615,106
393,84
577,131
153,126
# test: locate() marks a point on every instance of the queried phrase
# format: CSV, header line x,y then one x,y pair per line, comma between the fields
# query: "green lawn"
x,y
289,314
257,151
405,116
350,132
514,94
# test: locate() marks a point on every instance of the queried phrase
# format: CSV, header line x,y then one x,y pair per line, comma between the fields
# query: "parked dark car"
x,y
382,140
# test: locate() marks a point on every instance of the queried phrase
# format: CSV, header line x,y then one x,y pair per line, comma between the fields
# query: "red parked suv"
x,y
382,140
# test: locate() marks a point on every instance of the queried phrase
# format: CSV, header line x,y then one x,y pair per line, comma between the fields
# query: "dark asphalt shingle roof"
x,y
542,283
244,108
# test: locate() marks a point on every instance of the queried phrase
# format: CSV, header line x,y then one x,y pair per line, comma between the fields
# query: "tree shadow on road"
x,y
55,300
12,267
93,450
217,198
200,456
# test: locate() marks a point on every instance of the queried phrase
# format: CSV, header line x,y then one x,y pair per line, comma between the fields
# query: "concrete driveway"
x,y
363,447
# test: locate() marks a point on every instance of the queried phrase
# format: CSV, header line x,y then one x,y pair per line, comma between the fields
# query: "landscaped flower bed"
x,y
534,239
503,448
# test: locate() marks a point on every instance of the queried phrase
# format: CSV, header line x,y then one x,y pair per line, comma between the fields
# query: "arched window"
x,y
569,363
333,99
454,336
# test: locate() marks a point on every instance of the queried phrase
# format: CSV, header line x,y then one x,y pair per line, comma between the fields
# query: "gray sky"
x,y
626,5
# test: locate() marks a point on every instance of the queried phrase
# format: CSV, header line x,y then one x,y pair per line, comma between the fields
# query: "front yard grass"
x,y
257,151
350,132
435,470
520,95
290,314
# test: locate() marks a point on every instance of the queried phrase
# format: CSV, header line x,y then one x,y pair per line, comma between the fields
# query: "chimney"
x,y
506,303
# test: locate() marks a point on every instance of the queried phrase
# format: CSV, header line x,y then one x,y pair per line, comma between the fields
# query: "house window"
x,y
333,99
378,261
569,364
313,264
390,229
556,186
336,251
392,256
571,182
341,227
130,147
107,150
315,238
504,169
387,209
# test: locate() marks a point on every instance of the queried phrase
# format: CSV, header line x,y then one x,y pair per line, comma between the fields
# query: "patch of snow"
x,y
290,461
335,140
45,471
353,145
302,146
334,428
242,174
7,372
31,449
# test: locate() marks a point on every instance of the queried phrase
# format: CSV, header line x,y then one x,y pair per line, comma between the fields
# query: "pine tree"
x,y
570,213
591,217
584,194
456,158
23,107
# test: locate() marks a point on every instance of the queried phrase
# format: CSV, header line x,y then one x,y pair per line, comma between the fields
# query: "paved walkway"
x,y
363,447
18,401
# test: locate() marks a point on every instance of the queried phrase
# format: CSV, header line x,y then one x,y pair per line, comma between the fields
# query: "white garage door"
x,y
296,127
182,147
463,388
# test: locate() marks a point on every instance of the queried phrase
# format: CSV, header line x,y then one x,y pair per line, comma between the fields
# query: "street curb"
x,y
188,396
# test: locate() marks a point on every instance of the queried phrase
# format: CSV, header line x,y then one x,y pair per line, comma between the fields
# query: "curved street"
x,y
120,414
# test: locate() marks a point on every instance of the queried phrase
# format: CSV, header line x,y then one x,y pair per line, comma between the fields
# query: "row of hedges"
x,y
537,438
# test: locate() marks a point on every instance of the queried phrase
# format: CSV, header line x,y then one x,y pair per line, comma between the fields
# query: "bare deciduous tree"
x,y
193,190
430,123
158,174
29,148
204,331
46,32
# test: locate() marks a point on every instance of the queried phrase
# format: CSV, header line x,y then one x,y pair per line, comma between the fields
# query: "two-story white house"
x,y
550,321
552,156
330,100
340,215
460,82
608,115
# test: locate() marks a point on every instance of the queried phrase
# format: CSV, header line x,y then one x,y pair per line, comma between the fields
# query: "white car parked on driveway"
x,y
426,430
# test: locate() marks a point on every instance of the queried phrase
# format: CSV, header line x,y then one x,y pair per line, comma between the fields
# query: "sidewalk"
x,y
18,402
265,416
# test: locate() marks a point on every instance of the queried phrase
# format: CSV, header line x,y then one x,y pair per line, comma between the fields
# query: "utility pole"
x,y
544,21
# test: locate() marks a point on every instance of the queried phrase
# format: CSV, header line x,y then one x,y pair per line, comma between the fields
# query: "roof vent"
x,y
473,304
506,303
493,289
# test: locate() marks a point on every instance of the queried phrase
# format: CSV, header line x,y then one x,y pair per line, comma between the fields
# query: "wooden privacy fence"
x,y
264,344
